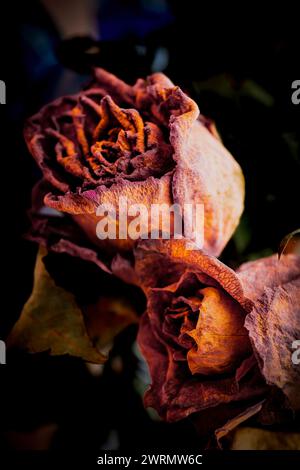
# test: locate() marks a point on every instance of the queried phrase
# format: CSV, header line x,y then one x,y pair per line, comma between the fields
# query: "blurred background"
x,y
239,67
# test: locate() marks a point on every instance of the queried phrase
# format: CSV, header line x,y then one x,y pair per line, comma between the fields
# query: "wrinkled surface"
x,y
274,322
192,334
144,142
58,233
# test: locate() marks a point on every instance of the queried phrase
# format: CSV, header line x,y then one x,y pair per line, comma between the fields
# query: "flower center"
x,y
117,144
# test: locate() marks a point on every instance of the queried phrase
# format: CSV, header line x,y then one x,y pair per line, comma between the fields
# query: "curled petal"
x,y
220,337
176,256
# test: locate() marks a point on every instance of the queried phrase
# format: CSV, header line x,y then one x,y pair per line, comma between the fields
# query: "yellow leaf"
x,y
52,321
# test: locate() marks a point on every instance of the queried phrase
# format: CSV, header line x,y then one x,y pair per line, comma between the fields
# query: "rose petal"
x,y
274,322
58,233
267,272
155,257
207,174
220,336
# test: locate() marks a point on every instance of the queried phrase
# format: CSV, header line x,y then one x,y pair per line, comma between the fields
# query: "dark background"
x,y
239,66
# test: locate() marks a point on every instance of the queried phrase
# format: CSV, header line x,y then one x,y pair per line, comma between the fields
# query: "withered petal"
x,y
176,255
220,337
206,173
274,322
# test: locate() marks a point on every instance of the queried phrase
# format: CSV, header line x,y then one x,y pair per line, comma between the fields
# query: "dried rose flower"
x,y
213,337
146,142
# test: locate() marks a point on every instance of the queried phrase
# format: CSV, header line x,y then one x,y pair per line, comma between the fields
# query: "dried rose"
x,y
200,351
146,142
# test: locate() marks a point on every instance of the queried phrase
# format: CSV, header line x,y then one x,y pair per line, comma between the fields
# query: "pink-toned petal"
x,y
274,328
206,173
267,272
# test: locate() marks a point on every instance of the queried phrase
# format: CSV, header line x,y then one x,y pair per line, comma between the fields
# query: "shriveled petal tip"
x,y
58,233
113,85
160,79
274,322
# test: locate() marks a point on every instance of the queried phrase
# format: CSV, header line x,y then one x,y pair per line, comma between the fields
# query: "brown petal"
x,y
83,206
175,257
176,394
274,322
221,339
267,272
206,173
58,233
274,326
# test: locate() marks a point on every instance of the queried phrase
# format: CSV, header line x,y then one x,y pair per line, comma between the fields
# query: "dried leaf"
x,y
290,244
246,438
234,422
106,318
52,321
